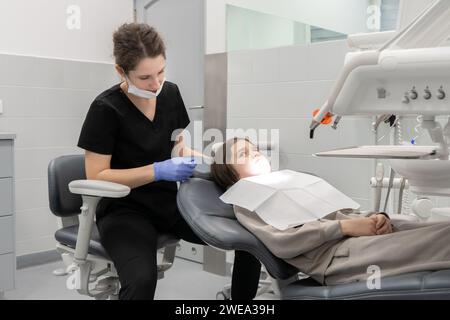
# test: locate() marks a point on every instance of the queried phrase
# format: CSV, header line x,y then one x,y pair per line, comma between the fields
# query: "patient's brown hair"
x,y
222,171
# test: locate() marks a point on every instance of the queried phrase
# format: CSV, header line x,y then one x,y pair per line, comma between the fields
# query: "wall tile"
x,y
20,102
31,193
294,64
103,76
35,223
32,163
350,176
326,59
240,68
45,132
77,75
45,103
253,66
39,244
306,78
30,71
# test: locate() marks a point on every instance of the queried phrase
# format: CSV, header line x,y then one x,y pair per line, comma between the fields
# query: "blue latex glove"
x,y
176,169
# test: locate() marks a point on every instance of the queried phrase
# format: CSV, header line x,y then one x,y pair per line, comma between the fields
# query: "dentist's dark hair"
x,y
134,42
222,171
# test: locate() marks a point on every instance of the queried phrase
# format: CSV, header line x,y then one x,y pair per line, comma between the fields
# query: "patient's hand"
x,y
363,227
383,224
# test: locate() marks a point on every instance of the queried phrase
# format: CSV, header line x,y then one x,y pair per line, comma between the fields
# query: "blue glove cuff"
x,y
156,171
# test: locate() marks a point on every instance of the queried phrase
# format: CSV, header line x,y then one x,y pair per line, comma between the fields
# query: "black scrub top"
x,y
115,126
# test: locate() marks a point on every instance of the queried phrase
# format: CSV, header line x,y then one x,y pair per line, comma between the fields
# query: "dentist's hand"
x,y
176,169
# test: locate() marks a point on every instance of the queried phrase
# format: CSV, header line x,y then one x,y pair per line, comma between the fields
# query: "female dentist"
x,y
127,136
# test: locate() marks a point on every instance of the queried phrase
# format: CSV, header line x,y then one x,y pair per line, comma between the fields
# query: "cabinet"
x,y
7,227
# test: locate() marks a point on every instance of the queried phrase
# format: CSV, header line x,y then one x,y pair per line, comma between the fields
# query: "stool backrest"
x,y
61,171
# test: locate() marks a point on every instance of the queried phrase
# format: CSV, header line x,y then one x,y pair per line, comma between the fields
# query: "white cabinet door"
x,y
6,196
182,25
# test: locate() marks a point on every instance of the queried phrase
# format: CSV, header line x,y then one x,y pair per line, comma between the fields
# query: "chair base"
x,y
102,281
414,286
267,286
103,275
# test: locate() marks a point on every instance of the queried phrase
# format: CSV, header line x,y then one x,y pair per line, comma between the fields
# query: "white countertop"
x,y
7,136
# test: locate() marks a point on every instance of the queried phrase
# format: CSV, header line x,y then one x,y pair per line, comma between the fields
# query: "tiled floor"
x,y
184,281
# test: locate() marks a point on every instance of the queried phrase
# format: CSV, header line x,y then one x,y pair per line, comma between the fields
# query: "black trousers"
x,y
130,240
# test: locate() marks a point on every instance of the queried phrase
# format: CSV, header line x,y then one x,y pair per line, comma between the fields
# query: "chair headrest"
x,y
215,223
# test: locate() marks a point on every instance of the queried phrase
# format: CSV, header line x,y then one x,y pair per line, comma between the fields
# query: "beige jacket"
x,y
310,247
320,250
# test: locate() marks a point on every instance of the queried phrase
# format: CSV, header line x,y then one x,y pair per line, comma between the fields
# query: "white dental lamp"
x,y
408,75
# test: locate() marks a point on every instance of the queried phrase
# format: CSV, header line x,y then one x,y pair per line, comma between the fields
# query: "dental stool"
x,y
214,222
74,199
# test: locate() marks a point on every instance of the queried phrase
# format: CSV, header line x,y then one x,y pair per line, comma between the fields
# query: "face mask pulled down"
x,y
145,94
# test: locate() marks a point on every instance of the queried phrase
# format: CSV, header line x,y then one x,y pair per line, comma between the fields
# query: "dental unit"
x,y
408,75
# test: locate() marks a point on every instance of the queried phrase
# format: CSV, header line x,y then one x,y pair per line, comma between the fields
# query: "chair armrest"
x,y
91,191
96,188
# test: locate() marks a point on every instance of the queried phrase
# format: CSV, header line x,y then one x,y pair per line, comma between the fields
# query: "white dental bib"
x,y
287,199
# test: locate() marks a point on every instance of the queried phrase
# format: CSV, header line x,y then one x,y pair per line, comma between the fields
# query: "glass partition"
x,y
302,22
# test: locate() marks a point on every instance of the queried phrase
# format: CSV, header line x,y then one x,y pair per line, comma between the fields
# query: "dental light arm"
x,y
362,59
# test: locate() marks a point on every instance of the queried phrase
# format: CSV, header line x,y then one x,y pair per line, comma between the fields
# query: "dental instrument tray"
x,y
383,152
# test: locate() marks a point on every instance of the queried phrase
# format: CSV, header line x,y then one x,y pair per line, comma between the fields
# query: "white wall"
x,y
45,99
39,28
278,89
345,16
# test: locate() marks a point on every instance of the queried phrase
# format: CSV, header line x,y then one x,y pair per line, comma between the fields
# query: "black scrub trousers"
x,y
129,226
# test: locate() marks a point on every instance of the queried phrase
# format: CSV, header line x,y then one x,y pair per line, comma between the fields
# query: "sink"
x,y
425,177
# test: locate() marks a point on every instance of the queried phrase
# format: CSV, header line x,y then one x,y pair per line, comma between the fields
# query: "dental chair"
x,y
214,222
74,199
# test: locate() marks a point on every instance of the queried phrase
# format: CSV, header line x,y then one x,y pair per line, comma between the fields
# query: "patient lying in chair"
x,y
344,246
